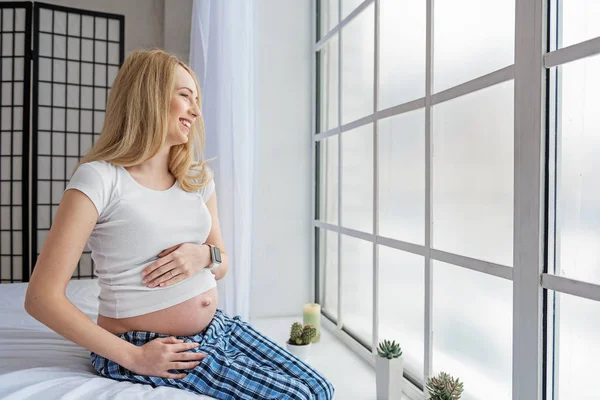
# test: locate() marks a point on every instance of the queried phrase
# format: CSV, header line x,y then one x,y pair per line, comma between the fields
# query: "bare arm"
x,y
215,238
46,300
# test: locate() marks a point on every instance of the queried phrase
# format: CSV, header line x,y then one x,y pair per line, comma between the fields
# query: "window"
x,y
574,228
441,204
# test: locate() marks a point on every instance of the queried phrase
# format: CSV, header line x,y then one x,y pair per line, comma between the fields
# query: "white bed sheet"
x,y
36,362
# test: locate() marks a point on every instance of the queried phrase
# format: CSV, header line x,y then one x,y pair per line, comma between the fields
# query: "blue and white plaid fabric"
x,y
240,364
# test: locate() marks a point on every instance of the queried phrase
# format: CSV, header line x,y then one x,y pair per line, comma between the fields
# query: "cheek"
x,y
175,111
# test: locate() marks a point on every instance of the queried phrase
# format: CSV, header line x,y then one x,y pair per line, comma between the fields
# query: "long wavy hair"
x,y
136,120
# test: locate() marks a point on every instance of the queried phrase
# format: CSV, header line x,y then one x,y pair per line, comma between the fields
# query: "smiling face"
x,y
183,109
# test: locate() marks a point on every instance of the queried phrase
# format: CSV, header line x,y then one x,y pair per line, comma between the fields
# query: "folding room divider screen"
x,y
75,57
15,72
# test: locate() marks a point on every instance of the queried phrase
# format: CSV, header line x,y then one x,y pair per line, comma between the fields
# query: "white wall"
x,y
177,27
281,275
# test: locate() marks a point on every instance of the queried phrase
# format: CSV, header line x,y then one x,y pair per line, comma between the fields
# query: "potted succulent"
x,y
300,339
444,387
389,369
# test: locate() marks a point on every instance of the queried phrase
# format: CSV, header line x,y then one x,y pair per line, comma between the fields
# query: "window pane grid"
x,y
354,135
562,171
573,293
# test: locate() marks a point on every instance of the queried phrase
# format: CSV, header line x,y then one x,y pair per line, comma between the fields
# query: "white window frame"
x,y
530,72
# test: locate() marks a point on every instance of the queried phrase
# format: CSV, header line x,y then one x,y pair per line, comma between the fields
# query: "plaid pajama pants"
x,y
240,364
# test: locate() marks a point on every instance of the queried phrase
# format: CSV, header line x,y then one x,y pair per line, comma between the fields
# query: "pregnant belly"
x,y
183,319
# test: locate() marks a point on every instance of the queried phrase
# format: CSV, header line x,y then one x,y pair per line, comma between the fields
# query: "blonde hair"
x,y
136,120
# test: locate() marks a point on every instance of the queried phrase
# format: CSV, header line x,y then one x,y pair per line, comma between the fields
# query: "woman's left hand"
x,y
176,264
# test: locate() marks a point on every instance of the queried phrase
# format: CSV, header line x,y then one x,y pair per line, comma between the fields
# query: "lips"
x,y
185,122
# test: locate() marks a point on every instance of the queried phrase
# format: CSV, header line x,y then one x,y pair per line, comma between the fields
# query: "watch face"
x,y
217,255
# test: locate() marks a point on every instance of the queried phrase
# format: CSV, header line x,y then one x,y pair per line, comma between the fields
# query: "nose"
x,y
195,111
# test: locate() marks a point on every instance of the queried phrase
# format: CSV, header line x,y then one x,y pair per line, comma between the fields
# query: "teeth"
x,y
186,123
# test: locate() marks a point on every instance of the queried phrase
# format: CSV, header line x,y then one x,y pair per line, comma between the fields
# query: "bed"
x,y
36,362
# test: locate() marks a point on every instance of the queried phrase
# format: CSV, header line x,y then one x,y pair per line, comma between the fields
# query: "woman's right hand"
x,y
160,355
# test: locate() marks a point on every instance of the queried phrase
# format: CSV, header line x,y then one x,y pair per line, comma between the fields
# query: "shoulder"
x,y
206,191
95,179
98,174
98,169
102,167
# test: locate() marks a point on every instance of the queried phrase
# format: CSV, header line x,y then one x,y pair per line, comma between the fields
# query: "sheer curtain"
x,y
221,56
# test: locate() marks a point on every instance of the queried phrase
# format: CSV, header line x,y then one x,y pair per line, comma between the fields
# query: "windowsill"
x,y
351,375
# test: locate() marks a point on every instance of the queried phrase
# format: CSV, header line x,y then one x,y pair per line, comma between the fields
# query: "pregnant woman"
x,y
144,201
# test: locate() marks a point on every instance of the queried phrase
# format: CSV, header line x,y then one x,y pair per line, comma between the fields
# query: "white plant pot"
x,y
389,377
300,351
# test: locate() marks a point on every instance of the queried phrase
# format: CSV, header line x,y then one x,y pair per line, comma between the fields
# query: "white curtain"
x,y
221,56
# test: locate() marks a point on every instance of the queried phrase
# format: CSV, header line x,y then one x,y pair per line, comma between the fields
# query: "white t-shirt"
x,y
134,225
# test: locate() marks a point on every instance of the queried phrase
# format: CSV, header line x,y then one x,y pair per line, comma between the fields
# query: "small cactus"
x,y
296,332
444,387
389,349
300,335
309,333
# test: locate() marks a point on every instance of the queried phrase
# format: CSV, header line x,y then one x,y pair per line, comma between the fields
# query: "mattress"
x,y
36,362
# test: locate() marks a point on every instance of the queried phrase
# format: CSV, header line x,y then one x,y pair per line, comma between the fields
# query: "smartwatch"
x,y
215,256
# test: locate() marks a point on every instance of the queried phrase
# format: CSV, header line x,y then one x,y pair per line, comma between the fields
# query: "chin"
x,y
179,140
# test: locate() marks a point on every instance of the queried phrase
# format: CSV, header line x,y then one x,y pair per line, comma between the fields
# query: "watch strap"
x,y
214,264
